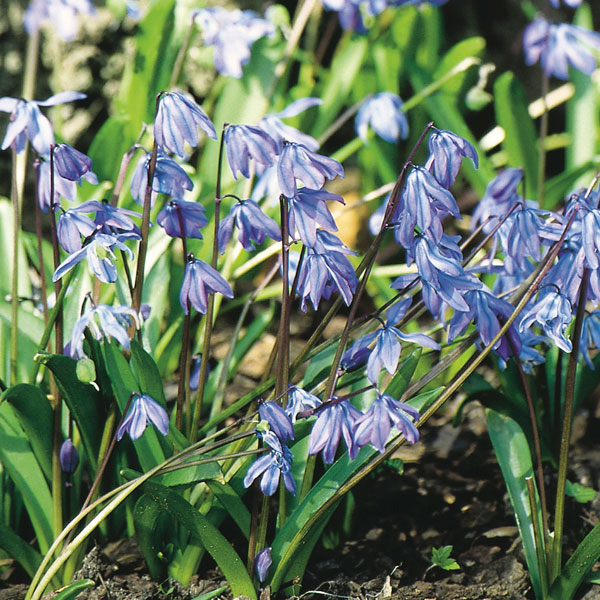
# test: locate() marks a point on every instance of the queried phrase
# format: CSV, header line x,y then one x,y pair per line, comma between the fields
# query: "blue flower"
x,y
201,279
177,120
68,456
63,188
383,347
252,223
590,336
262,563
442,277
335,420
351,12
278,420
383,112
73,165
110,219
375,425
272,466
63,15
143,410
245,142
308,211
325,268
282,133
28,123
100,257
558,46
446,153
485,310
553,312
297,162
71,227
299,401
231,33
424,203
571,3
103,321
176,212
169,178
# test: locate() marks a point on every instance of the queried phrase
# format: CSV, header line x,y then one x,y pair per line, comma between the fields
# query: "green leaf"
x,y
465,49
233,504
71,591
19,461
340,79
19,549
145,516
514,458
580,493
209,536
574,572
440,557
520,141
35,415
146,372
82,399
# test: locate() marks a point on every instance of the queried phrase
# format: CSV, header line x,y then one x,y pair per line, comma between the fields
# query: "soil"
x,y
450,493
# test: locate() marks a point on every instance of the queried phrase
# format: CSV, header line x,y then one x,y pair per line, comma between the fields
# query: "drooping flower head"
x,y
103,322
63,15
142,411
177,120
246,142
252,223
558,46
201,279
27,123
383,112
232,33
73,165
297,162
262,563
446,153
182,215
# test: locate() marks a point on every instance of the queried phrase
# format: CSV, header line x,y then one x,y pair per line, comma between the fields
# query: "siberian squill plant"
x,y
188,220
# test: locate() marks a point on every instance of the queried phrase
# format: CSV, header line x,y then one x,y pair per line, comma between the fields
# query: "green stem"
x,y
14,301
542,143
145,229
208,322
567,421
540,539
177,67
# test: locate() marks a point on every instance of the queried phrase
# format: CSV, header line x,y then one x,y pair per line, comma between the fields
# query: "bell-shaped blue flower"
x,y
446,153
177,120
73,165
62,15
244,143
272,467
335,420
103,322
100,256
143,410
71,227
297,162
299,401
278,420
178,214
110,219
383,113
199,280
375,425
558,46
262,563
28,123
252,223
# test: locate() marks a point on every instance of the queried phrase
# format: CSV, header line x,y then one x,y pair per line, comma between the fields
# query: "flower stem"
x,y
14,302
208,322
567,420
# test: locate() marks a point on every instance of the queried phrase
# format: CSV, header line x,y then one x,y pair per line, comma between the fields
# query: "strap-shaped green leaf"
x,y
233,504
574,572
71,591
19,549
19,461
145,516
82,399
514,458
209,536
35,415
520,141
